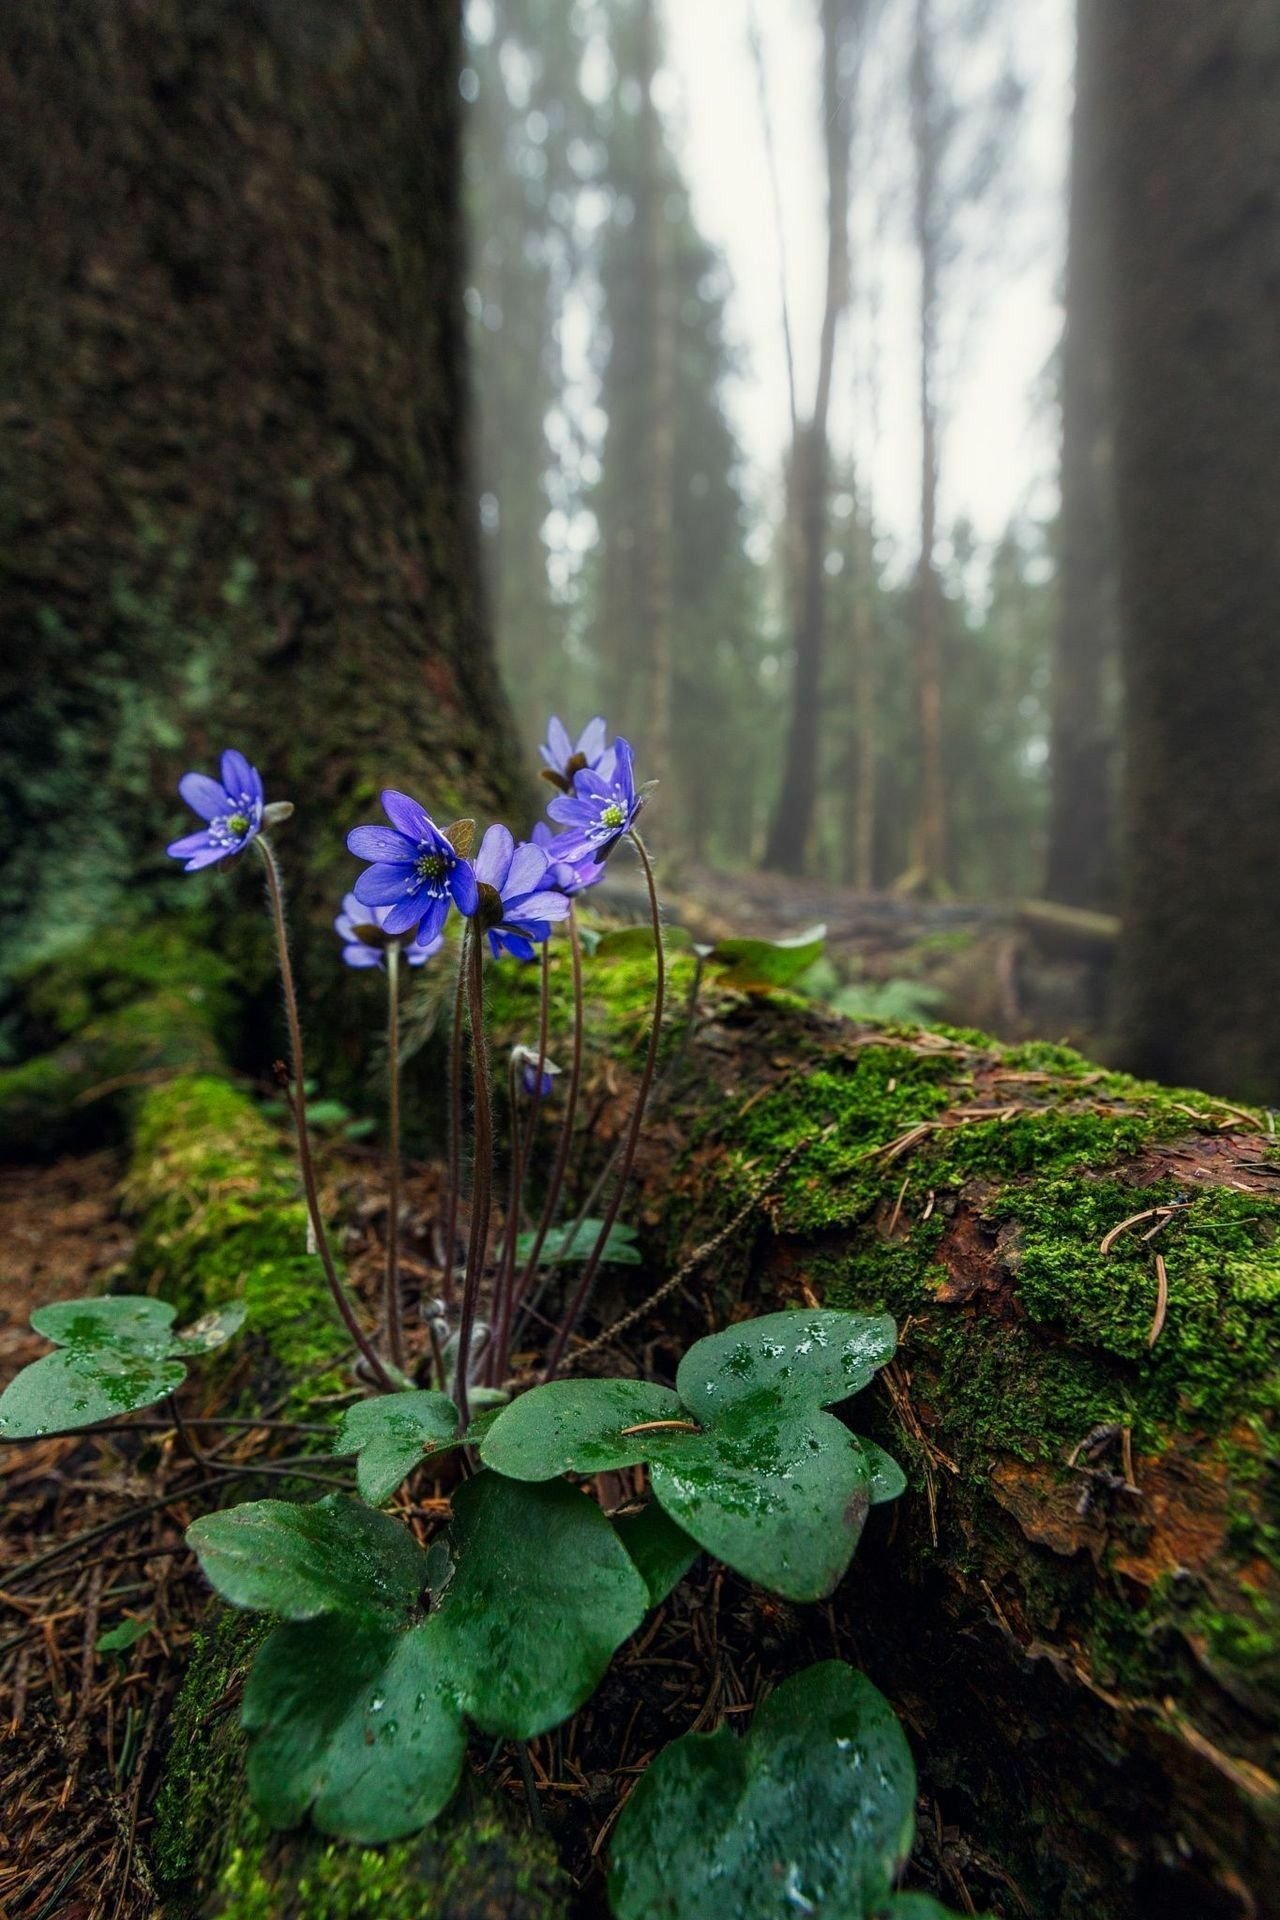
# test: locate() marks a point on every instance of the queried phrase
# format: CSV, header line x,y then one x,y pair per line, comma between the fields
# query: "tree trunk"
x,y
657,341
235,499
792,826
1193,158
929,853
1081,850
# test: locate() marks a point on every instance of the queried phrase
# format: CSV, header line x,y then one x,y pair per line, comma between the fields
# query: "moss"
x,y
124,964
214,1857
617,992
215,1191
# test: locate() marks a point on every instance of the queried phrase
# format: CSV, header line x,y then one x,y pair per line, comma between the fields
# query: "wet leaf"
x,y
351,1719
577,1426
812,1359
776,1492
885,1477
575,1243
332,1556
812,1813
392,1434
115,1354
543,1594
760,966
662,1551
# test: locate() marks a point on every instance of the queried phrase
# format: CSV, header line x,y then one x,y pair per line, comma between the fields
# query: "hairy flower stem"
x,y
455,1128
556,1186
497,1355
298,1101
392,1304
509,1293
482,1168
579,1300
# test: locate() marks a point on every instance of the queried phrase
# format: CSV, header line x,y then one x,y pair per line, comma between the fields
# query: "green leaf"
x,y
210,1330
777,1492
662,1551
574,1242
885,1477
542,1595
325,1115
351,1719
812,1358
917,1906
120,1639
577,1426
392,1434
759,966
72,1388
633,943
333,1556
812,1813
115,1354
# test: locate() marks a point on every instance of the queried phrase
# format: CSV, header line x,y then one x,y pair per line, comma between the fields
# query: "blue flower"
x,y
361,930
233,811
567,876
564,759
517,902
417,874
602,807
526,1059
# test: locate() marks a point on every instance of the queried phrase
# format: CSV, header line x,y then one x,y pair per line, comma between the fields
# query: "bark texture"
x,y
1193,158
1082,828
235,495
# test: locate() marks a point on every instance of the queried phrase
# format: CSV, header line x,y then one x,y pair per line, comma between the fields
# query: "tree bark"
x,y
792,826
656,338
1193,176
235,488
1081,848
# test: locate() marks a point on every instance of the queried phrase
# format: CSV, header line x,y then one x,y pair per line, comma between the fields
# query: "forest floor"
x,y
93,1545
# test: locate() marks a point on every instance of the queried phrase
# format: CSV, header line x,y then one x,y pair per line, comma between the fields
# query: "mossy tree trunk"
x,y
235,498
1192,145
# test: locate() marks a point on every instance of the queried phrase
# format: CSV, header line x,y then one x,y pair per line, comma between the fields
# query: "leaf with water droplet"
x,y
354,1720
392,1434
813,1812
211,1330
811,1357
542,1596
580,1426
331,1556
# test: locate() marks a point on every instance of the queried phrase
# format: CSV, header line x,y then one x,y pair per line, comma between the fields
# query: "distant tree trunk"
x,y
1081,850
657,344
792,823
929,854
235,487
860,832
1193,156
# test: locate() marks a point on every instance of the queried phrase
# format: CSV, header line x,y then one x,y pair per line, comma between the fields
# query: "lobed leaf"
x,y
812,1358
812,1813
392,1434
211,1330
332,1556
574,1242
753,965
662,1551
579,1426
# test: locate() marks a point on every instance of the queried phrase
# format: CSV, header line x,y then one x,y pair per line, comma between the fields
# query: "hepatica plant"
x,y
392,1642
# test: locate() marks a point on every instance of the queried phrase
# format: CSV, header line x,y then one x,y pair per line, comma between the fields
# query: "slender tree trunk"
x,y
1193,154
235,486
929,853
792,824
1081,850
657,479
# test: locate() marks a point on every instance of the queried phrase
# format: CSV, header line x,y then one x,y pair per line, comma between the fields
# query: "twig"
x,y
1162,1300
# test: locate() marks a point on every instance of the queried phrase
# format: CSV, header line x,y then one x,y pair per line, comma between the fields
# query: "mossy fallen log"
x,y
1075,1607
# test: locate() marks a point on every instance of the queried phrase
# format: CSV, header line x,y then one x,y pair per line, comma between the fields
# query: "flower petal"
x,y
189,844
573,811
203,795
433,920
239,778
381,843
403,811
357,955
208,858
416,954
526,870
559,746
591,740
462,885
384,886
404,916
351,907
493,862
540,906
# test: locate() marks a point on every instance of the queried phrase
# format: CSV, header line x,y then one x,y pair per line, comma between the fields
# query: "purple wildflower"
x,y
233,810
602,807
568,876
417,874
564,759
517,901
526,1059
363,935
